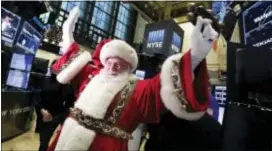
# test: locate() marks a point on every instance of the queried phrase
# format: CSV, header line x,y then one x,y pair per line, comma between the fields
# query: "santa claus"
x,y
111,102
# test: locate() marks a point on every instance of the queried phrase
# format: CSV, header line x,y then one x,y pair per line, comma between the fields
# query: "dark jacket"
x,y
56,98
177,134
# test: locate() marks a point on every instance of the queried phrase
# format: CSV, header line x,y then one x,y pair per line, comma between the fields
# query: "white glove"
x,y
68,29
201,43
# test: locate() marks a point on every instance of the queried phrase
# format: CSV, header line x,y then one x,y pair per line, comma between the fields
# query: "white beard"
x,y
94,101
113,79
100,92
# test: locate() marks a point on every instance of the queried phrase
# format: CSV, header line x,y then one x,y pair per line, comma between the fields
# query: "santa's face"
x,y
115,66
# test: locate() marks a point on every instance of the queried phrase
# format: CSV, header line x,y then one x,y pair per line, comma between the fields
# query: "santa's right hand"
x,y
68,29
69,24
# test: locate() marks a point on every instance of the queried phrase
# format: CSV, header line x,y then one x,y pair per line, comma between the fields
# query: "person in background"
x,y
52,107
173,133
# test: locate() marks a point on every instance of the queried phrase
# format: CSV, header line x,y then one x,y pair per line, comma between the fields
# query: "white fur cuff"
x,y
75,137
169,98
73,68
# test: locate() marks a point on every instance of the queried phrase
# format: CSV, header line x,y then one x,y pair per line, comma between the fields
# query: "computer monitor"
x,y
140,74
28,40
21,61
5,62
176,43
18,79
49,72
40,65
220,9
256,24
9,26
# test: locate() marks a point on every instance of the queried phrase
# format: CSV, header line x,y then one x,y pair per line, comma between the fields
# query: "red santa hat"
x,y
121,49
96,53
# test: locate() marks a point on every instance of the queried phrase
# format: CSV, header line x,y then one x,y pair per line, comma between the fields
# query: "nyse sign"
x,y
154,45
220,95
155,39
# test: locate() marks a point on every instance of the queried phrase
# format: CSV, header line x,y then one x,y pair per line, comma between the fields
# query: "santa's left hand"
x,y
201,42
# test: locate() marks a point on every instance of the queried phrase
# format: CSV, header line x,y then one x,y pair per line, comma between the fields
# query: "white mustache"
x,y
116,77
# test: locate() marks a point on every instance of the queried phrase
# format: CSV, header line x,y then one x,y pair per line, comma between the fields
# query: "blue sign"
x,y
176,42
40,24
257,24
220,94
220,9
155,39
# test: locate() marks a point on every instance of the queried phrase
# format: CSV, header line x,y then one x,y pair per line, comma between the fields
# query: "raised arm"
x,y
182,85
74,59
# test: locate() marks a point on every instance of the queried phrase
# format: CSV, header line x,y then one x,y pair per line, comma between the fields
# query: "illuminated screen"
x,y
257,24
220,9
176,42
18,79
220,94
155,38
9,26
28,40
21,61
49,72
140,74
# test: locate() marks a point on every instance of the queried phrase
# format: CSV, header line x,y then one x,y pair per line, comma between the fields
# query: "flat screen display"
x,y
18,79
257,24
9,26
220,9
29,39
155,39
49,72
220,95
140,74
176,43
21,61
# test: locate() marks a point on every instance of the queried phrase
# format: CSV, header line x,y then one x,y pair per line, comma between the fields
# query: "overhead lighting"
x,y
191,7
190,15
145,5
200,6
209,10
191,4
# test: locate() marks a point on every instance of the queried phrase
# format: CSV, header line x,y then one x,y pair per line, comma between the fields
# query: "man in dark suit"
x,y
52,108
177,134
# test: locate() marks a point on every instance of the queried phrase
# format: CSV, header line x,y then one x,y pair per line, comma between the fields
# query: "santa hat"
x,y
96,54
96,63
121,49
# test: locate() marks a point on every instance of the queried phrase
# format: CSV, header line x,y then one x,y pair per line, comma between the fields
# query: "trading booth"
x,y
20,41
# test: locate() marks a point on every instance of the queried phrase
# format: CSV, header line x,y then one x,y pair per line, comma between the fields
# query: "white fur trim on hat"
x,y
119,48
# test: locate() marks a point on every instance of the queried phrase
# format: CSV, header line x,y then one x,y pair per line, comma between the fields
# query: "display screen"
x,y
220,9
9,26
49,72
140,74
257,24
220,94
176,42
155,39
18,79
29,39
21,61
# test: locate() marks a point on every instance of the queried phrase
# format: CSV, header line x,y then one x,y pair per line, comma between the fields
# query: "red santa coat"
x,y
149,99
